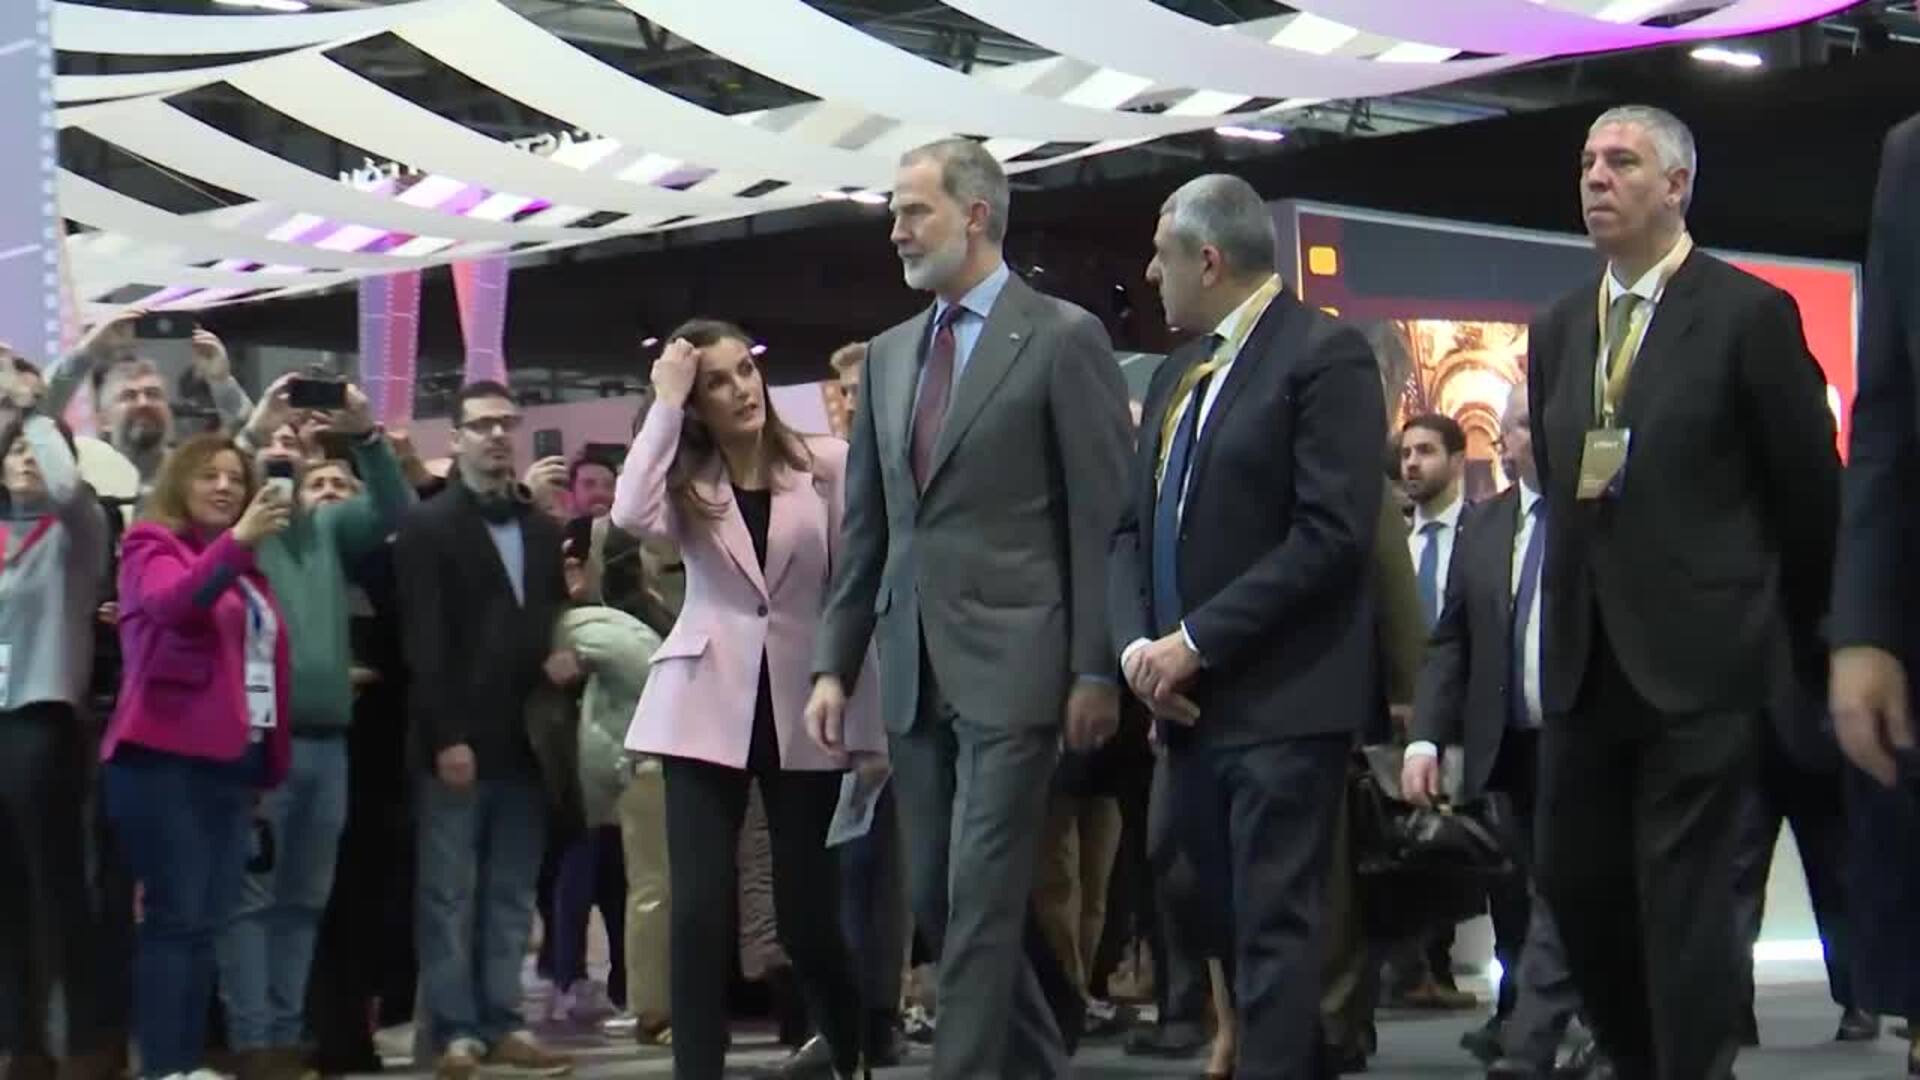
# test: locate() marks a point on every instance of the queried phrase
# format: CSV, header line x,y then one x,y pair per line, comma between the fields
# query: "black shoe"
x,y
1177,1039
886,1046
1345,1060
813,1060
1483,1042
1857,1025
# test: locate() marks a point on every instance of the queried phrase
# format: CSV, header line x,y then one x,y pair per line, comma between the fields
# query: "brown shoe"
x,y
460,1060
519,1054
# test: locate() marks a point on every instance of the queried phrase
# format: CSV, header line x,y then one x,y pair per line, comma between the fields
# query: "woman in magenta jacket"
x,y
200,727
755,511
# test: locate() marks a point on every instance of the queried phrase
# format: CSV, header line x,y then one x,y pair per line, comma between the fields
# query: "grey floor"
x,y
1796,1028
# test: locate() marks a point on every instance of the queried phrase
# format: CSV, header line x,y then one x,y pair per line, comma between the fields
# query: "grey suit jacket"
x,y
1000,567
1462,696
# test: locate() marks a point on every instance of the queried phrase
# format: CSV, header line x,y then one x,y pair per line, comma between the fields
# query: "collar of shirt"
x,y
1649,286
980,299
1528,497
1238,325
1450,517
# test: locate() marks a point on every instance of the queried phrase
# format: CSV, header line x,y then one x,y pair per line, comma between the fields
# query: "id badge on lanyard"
x,y
262,707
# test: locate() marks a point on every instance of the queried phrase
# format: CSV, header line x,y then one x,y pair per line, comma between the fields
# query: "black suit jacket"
x,y
1276,543
1462,695
1874,584
474,652
1726,519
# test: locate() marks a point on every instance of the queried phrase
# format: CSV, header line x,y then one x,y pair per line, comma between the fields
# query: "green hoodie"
x,y
306,566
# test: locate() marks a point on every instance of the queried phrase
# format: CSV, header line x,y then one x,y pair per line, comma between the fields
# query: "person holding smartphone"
x,y
201,726
266,950
53,550
755,510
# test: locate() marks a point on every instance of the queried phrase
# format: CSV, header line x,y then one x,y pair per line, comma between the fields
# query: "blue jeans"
x,y
267,950
479,856
182,825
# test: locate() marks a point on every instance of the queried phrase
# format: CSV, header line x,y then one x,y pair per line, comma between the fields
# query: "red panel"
x,y
1827,299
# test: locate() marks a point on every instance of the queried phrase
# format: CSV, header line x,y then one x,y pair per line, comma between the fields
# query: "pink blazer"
x,y
700,694
183,632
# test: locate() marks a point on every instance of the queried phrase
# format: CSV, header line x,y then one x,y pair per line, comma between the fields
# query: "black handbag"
x,y
1420,868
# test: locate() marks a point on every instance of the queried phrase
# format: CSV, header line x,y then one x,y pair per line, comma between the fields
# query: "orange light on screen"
x,y
1828,297
1323,261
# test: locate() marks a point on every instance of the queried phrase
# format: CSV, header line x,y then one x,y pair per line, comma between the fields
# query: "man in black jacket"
x,y
481,589
1247,624
1686,455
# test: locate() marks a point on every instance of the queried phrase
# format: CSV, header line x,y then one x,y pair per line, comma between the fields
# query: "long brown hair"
x,y
167,503
697,448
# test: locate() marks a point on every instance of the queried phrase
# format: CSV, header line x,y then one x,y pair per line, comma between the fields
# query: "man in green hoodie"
x,y
267,950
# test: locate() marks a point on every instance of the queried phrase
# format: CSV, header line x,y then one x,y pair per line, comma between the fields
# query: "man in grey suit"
x,y
986,474
1480,690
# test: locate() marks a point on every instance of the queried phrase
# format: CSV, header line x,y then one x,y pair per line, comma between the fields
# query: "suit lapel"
x,y
731,528
1660,349
1245,366
1009,326
895,396
476,538
1584,352
1503,527
786,522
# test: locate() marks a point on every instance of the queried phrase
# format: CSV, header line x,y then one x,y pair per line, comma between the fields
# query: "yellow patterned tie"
x,y
1182,391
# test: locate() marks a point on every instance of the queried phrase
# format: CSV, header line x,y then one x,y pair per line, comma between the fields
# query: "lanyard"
x,y
40,529
1254,307
1615,360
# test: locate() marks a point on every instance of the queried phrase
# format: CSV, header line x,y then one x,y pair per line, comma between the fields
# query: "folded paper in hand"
x,y
853,816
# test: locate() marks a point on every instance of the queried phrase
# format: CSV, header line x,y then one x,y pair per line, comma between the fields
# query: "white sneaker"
x,y
620,1025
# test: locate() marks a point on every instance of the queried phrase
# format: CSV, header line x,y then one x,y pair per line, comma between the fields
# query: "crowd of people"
x,y
301,739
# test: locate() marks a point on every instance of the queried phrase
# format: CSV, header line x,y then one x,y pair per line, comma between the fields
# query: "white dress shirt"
x,y
1236,327
1530,660
968,324
1650,288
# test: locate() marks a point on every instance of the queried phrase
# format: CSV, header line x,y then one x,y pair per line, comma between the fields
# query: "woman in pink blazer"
x,y
755,510
200,727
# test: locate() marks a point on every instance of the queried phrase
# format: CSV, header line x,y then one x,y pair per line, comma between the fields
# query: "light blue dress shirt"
x,y
975,307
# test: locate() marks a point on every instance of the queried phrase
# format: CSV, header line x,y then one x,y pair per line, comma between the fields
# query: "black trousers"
x,y
706,804
1812,803
1640,818
50,1000
1516,780
1266,812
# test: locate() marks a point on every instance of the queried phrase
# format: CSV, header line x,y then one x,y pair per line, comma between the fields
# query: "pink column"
x,y
390,344
480,288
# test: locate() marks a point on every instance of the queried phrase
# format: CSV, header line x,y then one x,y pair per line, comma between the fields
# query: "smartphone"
x,y
307,393
261,853
280,474
163,327
547,442
612,455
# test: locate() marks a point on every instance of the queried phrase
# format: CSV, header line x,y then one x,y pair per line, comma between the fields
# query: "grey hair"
x,y
1223,212
1671,138
969,173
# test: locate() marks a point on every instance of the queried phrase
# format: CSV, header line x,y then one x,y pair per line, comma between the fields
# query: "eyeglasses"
x,y
491,425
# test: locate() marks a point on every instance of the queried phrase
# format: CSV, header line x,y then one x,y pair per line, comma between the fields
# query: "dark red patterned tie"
x,y
936,386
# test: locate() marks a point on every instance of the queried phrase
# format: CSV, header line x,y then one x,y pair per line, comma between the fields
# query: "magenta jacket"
x,y
183,636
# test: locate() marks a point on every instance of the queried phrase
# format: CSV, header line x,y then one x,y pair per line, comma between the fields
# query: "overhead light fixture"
x,y
1265,135
757,350
868,198
1735,58
266,5
648,343
834,195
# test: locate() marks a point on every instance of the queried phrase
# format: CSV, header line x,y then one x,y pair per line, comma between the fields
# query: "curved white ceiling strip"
x,y
141,83
322,94
165,135
1143,38
85,201
839,62
492,45
90,29
1526,26
112,271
